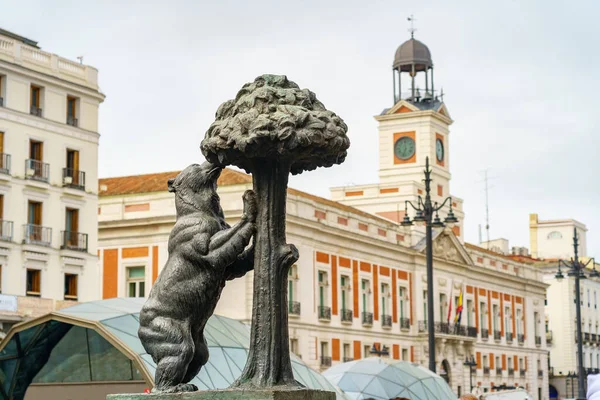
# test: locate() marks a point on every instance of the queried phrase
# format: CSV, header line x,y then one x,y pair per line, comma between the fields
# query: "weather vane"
x,y
412,25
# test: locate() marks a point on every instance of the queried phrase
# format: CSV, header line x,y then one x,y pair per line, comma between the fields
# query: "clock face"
x,y
404,148
439,150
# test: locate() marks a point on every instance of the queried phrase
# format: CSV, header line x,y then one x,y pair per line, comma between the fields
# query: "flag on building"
x,y
459,308
450,305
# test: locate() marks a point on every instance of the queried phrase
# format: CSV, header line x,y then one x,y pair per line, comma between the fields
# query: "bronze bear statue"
x,y
204,252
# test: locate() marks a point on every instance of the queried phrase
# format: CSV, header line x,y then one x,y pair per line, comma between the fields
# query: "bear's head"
x,y
195,190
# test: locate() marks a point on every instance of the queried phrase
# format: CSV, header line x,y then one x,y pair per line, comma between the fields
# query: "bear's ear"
x,y
170,184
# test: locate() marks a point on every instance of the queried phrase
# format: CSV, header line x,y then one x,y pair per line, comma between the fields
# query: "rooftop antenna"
x,y
412,28
487,210
80,58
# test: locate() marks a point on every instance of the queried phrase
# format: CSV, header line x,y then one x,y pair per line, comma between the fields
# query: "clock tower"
x,y
415,127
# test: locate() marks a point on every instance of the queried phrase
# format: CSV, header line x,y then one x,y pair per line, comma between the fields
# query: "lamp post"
x,y
470,363
425,209
383,352
576,269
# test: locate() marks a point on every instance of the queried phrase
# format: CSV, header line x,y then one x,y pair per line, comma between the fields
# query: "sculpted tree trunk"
x,y
273,128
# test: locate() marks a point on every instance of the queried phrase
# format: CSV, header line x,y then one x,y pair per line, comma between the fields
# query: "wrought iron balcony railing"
x,y
509,337
538,340
486,370
36,234
325,361
497,335
404,323
74,241
346,315
549,337
484,334
73,178
540,373
325,313
367,318
348,359
594,338
4,163
472,331
72,121
520,338
294,308
37,170
586,337
522,372
498,371
386,321
33,110
6,230
511,372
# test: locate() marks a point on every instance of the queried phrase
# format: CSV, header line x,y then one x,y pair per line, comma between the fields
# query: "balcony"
x,y
72,121
486,370
484,334
549,337
586,337
294,308
498,371
73,178
538,340
540,373
404,323
497,336
386,321
346,315
522,372
509,337
74,241
520,338
4,163
33,110
36,234
325,361
6,230
367,318
347,359
472,331
37,170
324,313
511,372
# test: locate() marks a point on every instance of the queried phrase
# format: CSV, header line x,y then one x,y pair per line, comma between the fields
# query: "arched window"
x,y
555,235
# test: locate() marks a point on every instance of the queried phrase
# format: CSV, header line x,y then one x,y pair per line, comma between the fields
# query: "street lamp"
x,y
383,352
470,362
576,269
425,211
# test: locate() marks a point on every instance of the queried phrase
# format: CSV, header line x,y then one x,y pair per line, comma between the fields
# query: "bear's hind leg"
x,y
173,349
200,358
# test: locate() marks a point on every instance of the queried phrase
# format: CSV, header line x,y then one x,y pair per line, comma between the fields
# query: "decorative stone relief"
x,y
443,247
442,281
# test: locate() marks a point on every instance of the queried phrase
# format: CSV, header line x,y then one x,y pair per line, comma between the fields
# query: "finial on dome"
x,y
412,28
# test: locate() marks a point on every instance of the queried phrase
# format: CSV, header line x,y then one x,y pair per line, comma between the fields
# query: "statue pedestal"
x,y
232,394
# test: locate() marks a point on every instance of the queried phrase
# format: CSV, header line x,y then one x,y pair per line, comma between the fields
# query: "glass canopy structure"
x,y
373,378
98,342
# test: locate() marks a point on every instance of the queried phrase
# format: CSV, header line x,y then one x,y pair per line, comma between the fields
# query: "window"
x,y
34,220
136,281
519,322
405,355
2,150
442,306
324,349
469,313
521,364
535,324
294,346
33,282
36,150
346,352
72,110
402,301
510,363
495,316
1,91
72,221
555,235
71,174
507,324
482,321
366,351
322,288
385,291
292,276
366,295
70,287
344,283
497,363
425,306
35,101
485,362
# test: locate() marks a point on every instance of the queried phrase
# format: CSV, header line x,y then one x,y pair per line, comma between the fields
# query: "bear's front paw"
x,y
250,206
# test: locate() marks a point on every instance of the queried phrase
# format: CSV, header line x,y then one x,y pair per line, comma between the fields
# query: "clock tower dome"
x,y
414,128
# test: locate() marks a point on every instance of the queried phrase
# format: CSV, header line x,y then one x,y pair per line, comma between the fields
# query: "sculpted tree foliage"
x,y
270,129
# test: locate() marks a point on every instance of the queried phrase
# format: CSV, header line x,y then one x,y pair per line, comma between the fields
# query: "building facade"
x,y
48,180
360,282
552,239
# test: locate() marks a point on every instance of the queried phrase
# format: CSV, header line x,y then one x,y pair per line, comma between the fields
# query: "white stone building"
x,y
361,278
48,179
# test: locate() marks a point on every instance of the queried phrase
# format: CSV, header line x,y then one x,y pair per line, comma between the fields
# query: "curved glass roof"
x,y
373,378
97,328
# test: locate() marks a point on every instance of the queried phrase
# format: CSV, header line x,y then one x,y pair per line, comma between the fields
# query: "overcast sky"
x,y
519,77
